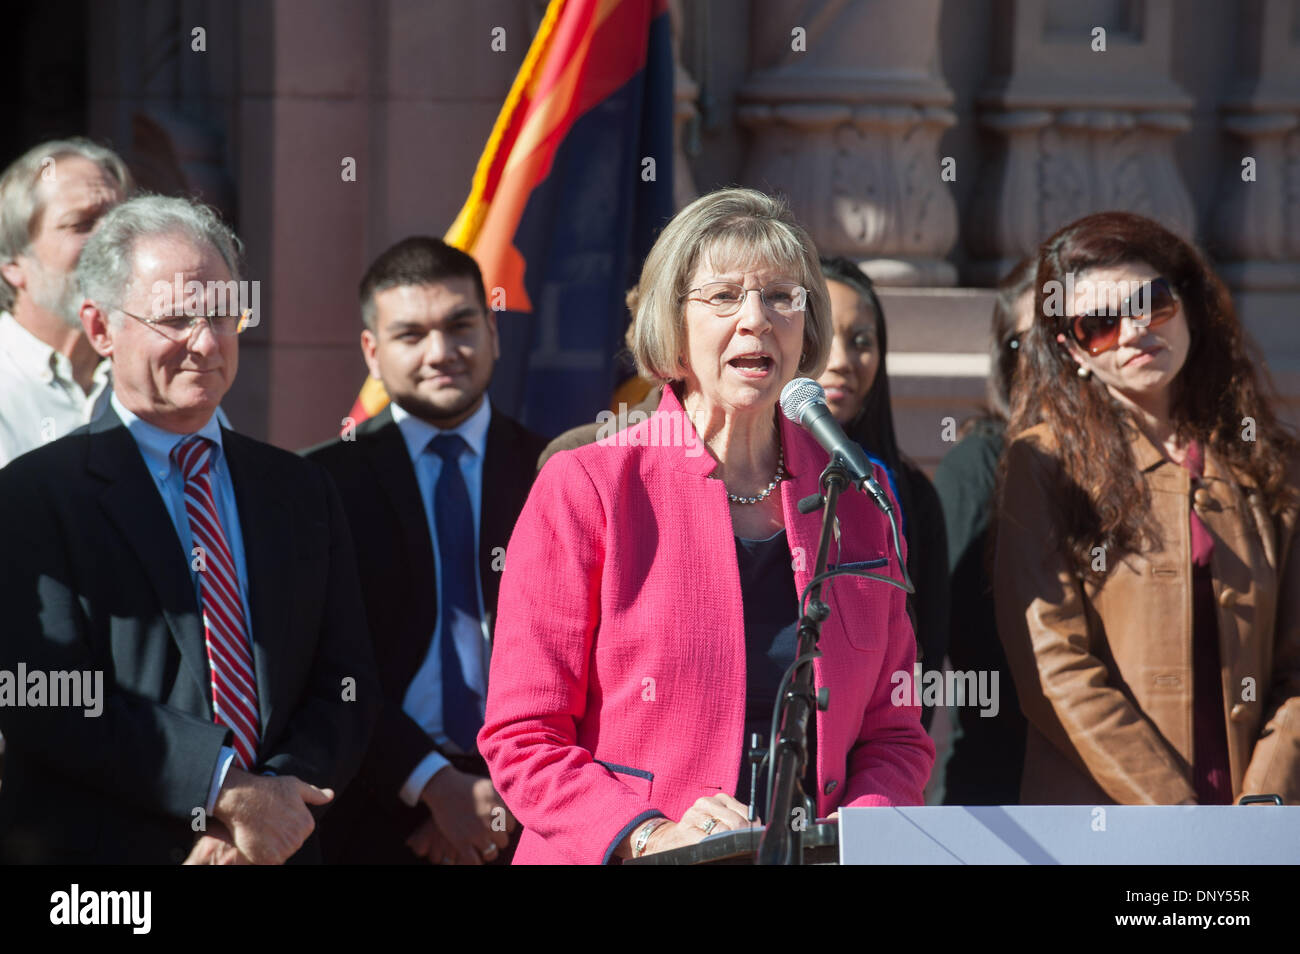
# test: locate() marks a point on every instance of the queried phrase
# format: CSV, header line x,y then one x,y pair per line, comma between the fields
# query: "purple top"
x,y
1210,768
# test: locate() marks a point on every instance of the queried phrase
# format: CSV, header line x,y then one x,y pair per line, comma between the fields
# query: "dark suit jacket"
x,y
395,553
92,577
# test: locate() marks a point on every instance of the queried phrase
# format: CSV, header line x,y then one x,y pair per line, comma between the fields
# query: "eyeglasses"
x,y
180,327
725,298
1098,332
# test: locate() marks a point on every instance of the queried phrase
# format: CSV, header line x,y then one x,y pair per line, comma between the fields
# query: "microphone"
x,y
804,402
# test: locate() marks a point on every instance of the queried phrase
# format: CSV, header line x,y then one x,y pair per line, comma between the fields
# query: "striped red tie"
x,y
230,658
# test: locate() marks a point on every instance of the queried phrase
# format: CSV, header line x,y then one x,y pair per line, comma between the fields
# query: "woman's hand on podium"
x,y
708,816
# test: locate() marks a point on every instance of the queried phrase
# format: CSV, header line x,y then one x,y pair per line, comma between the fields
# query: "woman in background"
x,y
988,751
1147,573
857,393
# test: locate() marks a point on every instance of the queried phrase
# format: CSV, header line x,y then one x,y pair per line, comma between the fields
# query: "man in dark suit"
x,y
432,487
204,581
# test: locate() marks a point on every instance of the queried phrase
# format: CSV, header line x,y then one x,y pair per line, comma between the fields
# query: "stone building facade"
x,y
936,141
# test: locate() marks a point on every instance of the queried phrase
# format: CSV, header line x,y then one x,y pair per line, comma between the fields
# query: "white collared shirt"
x,y
423,699
39,399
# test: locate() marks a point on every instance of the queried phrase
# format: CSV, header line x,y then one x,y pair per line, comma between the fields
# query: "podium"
x,y
1028,835
1072,835
820,847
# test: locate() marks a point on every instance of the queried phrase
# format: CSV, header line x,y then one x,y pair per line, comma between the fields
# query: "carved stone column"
x,y
1083,115
685,94
1257,218
846,108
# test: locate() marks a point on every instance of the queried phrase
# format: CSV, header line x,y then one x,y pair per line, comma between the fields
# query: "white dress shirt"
x,y
39,399
423,699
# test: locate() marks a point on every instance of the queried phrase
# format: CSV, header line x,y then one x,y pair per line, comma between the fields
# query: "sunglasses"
x,y
1098,332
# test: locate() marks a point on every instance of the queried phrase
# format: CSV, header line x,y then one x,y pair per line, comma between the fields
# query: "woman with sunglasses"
x,y
1147,573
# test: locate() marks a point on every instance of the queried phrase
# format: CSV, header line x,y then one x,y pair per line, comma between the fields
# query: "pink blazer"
x,y
617,685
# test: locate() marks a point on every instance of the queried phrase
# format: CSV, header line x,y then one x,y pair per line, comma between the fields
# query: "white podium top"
x,y
1071,835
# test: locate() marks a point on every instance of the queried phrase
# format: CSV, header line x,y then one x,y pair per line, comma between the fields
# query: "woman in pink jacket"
x,y
650,596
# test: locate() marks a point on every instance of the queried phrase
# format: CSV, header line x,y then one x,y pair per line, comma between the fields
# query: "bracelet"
x,y
643,835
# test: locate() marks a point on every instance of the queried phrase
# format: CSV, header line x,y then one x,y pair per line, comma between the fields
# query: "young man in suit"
x,y
432,487
203,584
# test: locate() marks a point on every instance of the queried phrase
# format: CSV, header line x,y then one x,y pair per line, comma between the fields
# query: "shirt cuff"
x,y
225,758
429,766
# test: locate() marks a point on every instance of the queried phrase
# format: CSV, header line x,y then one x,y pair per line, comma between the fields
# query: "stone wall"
x,y
850,108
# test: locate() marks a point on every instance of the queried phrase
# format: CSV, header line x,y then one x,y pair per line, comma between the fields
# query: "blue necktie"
x,y
458,590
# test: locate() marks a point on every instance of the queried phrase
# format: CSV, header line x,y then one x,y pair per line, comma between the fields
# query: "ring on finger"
x,y
490,851
709,825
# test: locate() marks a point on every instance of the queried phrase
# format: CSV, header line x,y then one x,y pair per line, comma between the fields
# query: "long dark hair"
x,y
1004,359
1103,496
873,427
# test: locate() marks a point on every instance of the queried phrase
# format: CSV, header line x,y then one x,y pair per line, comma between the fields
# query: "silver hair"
x,y
22,203
107,260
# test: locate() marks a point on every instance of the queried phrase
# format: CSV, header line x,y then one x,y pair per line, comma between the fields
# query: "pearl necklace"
x,y
767,492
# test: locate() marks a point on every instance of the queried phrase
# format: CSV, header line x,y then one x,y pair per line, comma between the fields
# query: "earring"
x,y
1083,372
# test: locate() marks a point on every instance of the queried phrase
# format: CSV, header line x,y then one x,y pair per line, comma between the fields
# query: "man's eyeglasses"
x,y
1098,332
725,298
180,327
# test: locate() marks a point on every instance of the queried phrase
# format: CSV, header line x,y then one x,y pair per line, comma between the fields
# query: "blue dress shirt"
x,y
423,699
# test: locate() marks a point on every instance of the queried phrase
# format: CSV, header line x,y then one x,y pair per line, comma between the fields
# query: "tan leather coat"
x,y
1104,673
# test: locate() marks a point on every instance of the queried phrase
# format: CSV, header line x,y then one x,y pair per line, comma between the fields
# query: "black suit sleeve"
x,y
398,744
398,747
137,750
329,729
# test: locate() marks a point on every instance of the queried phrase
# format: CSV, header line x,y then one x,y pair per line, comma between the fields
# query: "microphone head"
x,y
798,395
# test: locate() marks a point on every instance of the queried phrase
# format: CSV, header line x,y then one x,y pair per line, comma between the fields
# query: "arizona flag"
x,y
573,186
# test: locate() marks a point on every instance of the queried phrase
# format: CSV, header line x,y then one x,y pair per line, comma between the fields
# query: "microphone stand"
x,y
782,840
